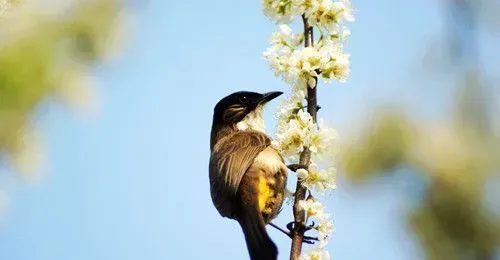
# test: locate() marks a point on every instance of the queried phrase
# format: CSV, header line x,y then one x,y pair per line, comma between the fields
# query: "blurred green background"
x,y
47,51
453,152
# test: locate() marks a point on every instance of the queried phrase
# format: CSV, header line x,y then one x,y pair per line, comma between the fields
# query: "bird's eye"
x,y
244,99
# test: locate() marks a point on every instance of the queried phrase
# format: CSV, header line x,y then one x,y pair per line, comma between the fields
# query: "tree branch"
x,y
305,159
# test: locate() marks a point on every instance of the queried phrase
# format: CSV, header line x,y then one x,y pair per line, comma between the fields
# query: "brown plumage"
x,y
247,176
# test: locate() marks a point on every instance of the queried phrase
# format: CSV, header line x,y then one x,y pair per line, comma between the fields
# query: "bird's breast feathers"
x,y
270,159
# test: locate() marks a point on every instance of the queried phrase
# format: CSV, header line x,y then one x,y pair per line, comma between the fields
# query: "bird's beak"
x,y
269,96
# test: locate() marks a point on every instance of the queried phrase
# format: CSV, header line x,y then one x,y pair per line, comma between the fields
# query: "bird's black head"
x,y
234,107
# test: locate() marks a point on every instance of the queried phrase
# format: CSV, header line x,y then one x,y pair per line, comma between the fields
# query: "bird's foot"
x,y
307,239
294,167
292,224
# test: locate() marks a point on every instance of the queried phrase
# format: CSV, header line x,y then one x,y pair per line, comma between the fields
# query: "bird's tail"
x,y
259,244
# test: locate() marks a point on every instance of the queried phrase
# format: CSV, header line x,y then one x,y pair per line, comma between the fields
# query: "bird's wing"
x,y
230,159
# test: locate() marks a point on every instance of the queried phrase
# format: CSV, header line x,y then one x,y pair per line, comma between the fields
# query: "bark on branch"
x,y
305,159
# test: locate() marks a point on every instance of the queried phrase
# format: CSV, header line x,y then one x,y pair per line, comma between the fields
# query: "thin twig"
x,y
279,228
305,159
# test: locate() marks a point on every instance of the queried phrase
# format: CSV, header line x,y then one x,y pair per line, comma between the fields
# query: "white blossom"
x,y
335,63
286,38
291,106
302,67
312,207
347,11
324,227
300,6
326,12
318,180
323,139
296,129
293,65
294,132
278,10
316,254
308,64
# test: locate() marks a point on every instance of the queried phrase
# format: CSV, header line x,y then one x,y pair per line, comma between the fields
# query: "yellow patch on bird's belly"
x,y
265,193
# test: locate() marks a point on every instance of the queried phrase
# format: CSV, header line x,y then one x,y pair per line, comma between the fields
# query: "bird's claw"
x,y
291,225
294,167
309,240
306,239
312,226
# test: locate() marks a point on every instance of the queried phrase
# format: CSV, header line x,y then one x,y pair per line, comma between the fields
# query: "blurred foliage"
x,y
455,158
381,147
47,50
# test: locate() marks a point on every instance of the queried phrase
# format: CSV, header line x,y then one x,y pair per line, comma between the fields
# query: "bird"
x,y
247,174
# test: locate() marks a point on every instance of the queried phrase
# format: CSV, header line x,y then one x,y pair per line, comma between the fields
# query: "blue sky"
x,y
132,181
